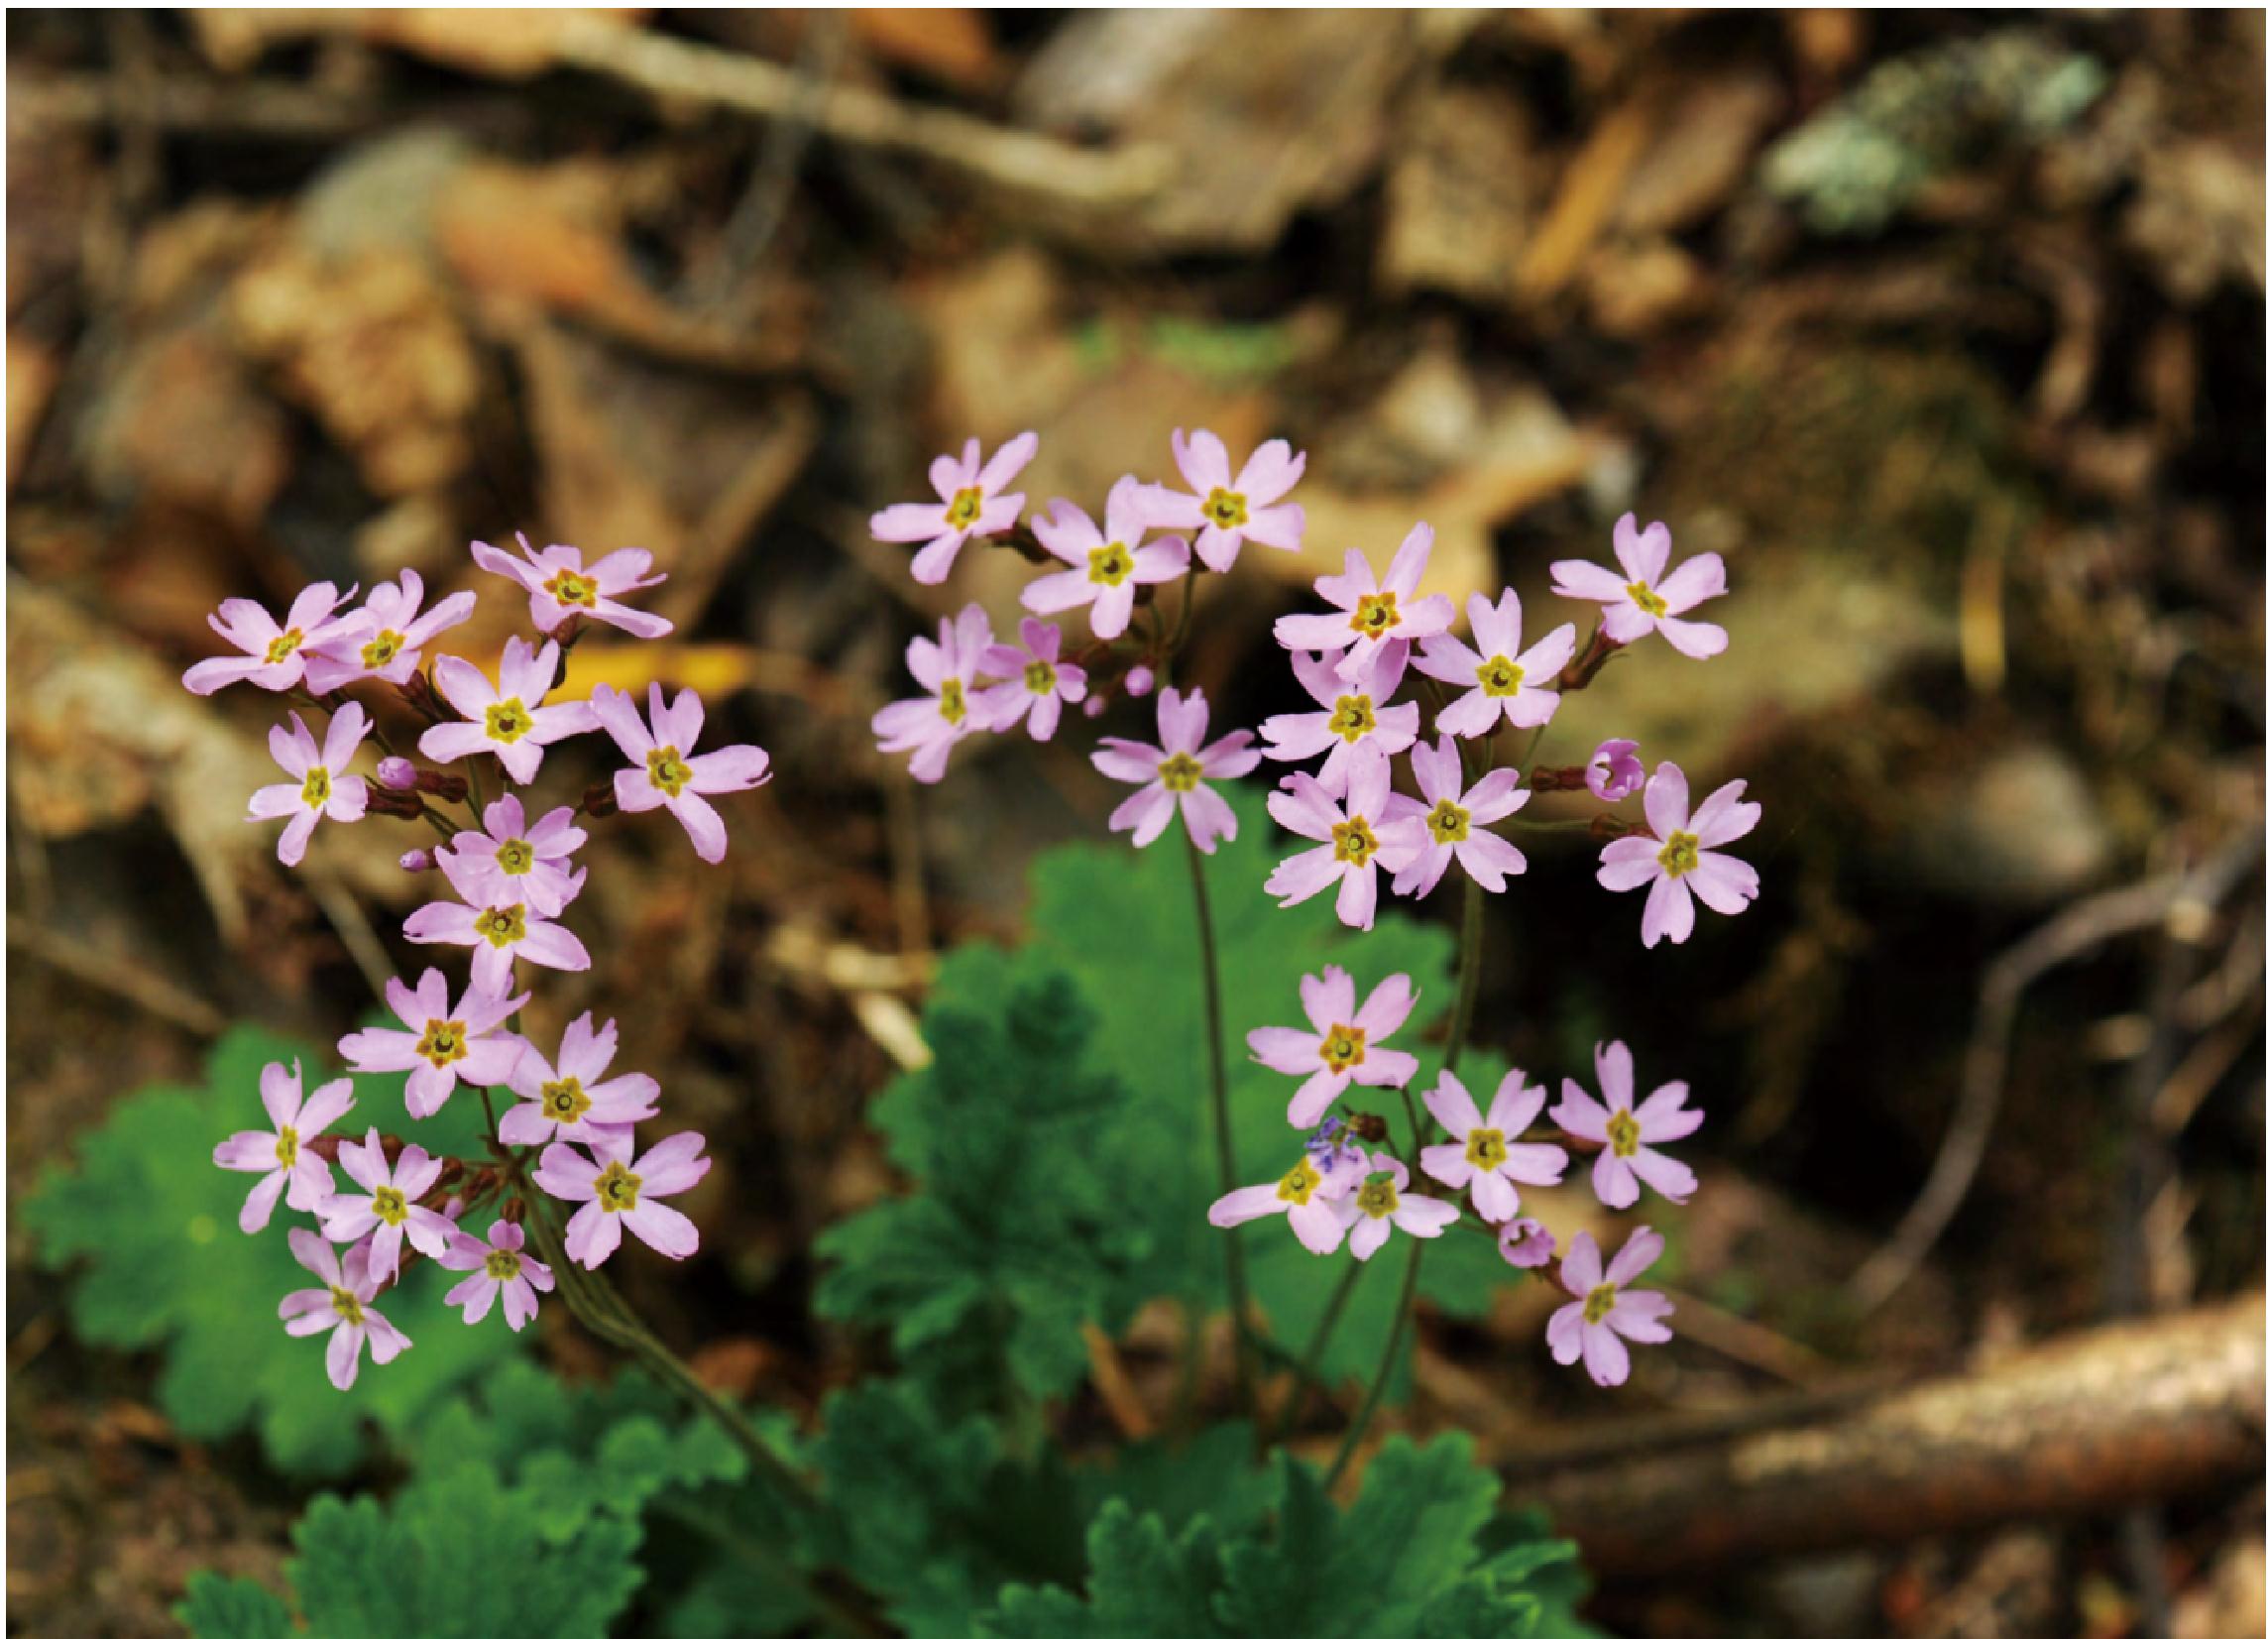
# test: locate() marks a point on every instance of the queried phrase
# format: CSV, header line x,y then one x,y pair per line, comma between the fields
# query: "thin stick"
x,y
1296,1400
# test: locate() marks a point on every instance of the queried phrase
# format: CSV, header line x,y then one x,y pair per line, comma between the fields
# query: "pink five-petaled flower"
x,y
1615,771
1504,682
968,503
573,1099
500,934
1355,724
1108,563
508,717
617,1190
341,1305
1309,1196
1039,680
559,586
1526,1244
275,656
1376,616
1639,600
509,861
1227,511
283,1154
1451,823
386,638
954,709
442,1045
391,1208
1377,1205
1629,1134
1343,1047
664,772
1605,1312
320,788
1356,840
500,1266
1486,1158
1172,773
1677,858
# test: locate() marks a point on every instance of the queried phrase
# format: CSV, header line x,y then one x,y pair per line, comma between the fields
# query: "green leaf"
x,y
1146,1582
232,1607
147,1225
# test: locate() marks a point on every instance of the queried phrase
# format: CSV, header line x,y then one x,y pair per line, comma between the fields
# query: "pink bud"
x,y
1615,771
417,859
1526,1243
1094,705
1140,681
397,774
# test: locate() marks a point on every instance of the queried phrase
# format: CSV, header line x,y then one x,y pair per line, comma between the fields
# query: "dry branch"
x,y
2090,1424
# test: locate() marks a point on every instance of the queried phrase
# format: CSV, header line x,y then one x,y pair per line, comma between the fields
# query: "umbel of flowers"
x,y
1389,788
565,1169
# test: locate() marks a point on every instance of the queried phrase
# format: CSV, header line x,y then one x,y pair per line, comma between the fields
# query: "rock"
x,y
2022,828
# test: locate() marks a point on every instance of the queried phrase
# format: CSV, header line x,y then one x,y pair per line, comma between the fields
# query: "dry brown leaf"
x,y
32,371
507,43
950,42
1459,195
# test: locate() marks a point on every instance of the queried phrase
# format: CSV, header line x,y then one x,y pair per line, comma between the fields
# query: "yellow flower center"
x,y
1181,773
967,504
502,1263
1375,614
1500,677
390,1204
1378,1196
1353,841
952,701
346,1305
569,587
507,721
667,771
1622,1134
516,857
502,927
564,1100
617,1188
381,648
1449,823
443,1043
1484,1147
286,1146
1342,1049
1353,718
281,647
1299,1183
1039,678
1598,1302
315,789
1680,854
1648,599
1226,509
1109,565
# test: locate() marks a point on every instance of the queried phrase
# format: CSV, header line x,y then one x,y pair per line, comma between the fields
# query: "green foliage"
x,y
149,1223
1409,1557
232,1607
1018,1234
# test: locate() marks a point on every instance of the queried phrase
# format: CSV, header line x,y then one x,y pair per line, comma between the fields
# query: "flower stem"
x,y
1314,1358
1224,1143
1377,1390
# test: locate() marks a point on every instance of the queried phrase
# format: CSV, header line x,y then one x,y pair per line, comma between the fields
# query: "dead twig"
x,y
2089,1425
159,997
1038,167
2173,901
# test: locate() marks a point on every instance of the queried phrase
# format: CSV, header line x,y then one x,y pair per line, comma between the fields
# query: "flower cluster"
x,y
566,1144
1380,637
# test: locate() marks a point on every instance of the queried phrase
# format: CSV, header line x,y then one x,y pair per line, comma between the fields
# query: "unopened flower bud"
x,y
1140,681
1370,1128
381,799
417,859
1092,705
599,802
449,787
397,774
1615,771
1526,1243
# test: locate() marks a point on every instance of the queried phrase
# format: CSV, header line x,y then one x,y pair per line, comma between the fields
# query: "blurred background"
x,y
1946,330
